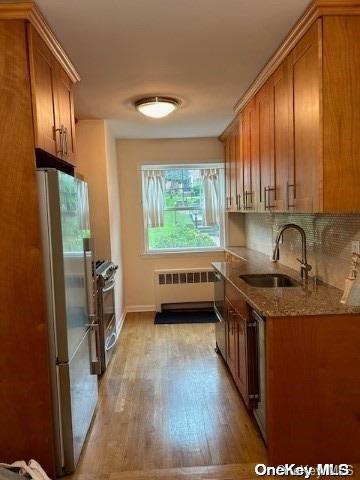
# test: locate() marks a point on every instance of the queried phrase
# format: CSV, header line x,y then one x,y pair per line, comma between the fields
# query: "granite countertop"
x,y
313,299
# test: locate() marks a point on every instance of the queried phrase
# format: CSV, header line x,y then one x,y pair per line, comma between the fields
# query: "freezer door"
x,y
78,398
74,228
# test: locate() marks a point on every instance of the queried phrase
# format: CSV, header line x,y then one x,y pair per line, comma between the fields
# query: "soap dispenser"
x,y
351,295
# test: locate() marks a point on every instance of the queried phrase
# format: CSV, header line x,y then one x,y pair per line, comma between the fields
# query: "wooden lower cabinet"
x,y
313,389
242,363
239,344
230,337
301,375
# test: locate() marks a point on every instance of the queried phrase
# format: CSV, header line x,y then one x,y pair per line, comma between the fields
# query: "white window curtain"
x,y
211,187
154,201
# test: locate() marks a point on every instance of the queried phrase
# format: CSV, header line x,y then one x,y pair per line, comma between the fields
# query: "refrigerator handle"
x,y
95,363
90,278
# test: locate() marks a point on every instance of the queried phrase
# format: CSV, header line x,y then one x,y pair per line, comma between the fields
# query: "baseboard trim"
x,y
139,308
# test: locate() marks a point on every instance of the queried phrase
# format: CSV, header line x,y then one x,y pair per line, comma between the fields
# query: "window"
x,y
182,208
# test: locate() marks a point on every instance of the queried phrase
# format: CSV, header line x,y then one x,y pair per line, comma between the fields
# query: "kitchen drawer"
x,y
236,300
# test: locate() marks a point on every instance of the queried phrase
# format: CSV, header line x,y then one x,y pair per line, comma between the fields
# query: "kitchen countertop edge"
x,y
312,300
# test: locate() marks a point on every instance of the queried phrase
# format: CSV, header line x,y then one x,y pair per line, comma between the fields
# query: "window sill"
x,y
173,253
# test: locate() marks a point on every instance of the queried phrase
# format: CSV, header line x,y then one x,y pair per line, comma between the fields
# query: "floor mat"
x,y
170,317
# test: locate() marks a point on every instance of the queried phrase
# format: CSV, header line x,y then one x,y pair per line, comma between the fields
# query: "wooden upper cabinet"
x,y
248,136
52,98
42,73
299,122
280,187
66,117
341,113
239,167
265,151
227,172
233,145
305,168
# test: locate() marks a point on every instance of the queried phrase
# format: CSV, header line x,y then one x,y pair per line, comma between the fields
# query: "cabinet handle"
x,y
288,186
62,140
265,198
65,142
61,134
248,194
267,192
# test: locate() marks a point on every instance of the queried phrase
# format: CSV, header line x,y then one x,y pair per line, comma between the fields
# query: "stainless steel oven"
x,y
106,271
219,305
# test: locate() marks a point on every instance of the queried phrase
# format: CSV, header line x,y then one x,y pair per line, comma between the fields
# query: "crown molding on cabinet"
x,y
28,11
318,8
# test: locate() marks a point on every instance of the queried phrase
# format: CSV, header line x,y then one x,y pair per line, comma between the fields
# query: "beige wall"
x,y
139,268
97,162
114,215
92,164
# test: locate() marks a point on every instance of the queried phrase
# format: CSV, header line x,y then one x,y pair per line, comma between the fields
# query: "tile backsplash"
x,y
328,241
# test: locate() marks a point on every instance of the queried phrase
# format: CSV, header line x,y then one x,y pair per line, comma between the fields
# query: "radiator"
x,y
183,286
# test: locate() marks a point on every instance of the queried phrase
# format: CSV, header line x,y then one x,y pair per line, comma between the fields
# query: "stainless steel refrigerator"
x,y
71,307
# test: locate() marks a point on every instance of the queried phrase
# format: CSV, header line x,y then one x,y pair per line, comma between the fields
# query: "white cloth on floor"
x,y
32,469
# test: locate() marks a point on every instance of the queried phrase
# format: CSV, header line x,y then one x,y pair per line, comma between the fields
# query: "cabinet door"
x,y
265,150
279,197
305,77
42,74
233,158
341,101
272,117
249,153
230,337
65,117
241,358
227,172
239,169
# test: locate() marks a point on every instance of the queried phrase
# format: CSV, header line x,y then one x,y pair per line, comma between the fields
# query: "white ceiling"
x,y
206,52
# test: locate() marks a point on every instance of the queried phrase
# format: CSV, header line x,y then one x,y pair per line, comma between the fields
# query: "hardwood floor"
x,y
168,409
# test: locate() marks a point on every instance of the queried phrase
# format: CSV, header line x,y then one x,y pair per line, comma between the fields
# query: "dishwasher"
x,y
259,409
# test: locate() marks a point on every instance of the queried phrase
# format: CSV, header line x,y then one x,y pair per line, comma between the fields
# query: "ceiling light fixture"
x,y
157,107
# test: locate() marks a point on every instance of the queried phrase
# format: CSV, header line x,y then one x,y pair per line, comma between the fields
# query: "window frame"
x,y
190,250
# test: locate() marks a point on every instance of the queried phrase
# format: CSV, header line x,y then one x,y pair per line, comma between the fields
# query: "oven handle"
x,y
109,345
110,287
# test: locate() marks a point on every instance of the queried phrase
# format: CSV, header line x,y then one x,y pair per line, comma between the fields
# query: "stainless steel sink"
x,y
269,280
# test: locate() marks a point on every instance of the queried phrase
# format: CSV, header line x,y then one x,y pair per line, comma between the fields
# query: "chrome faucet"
x,y
304,266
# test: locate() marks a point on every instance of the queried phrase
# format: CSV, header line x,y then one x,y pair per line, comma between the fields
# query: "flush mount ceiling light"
x,y
157,107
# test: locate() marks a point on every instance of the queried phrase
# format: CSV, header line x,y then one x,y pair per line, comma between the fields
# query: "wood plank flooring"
x,y
169,409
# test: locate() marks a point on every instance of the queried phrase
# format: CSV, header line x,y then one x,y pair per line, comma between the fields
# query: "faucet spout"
x,y
304,266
